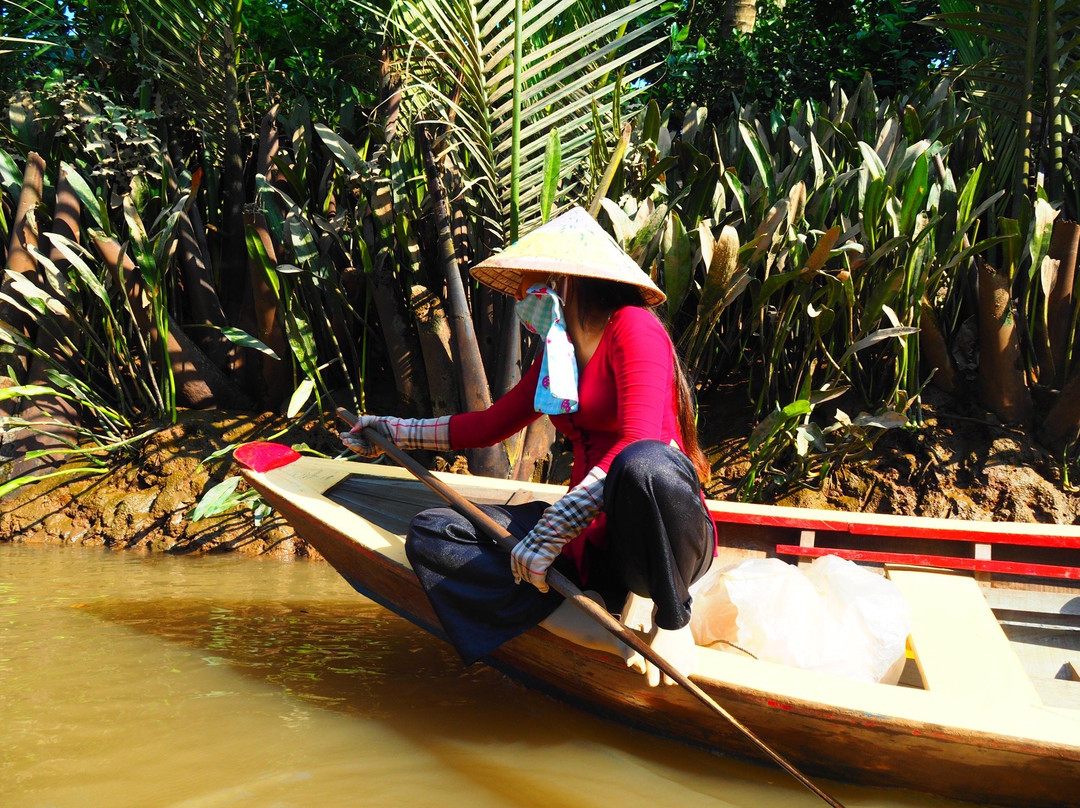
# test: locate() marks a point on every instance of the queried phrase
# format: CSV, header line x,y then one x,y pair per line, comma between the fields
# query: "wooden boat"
x,y
988,710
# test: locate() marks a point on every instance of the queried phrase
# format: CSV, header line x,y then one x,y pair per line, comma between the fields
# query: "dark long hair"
x,y
598,299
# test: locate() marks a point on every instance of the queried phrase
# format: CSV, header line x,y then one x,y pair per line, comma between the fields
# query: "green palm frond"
x,y
32,26
1018,61
192,47
456,61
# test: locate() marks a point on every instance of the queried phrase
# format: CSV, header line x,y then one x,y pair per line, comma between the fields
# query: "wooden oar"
x,y
565,587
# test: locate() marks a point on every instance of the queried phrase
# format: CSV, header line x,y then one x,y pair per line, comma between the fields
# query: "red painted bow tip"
x,y
263,456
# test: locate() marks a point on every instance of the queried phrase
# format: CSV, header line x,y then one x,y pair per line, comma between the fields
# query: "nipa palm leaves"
x,y
580,61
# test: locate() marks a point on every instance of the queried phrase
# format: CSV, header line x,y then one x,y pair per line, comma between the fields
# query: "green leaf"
x,y
894,332
18,482
141,244
300,397
303,240
797,408
871,162
552,167
10,176
678,269
916,189
650,129
873,206
458,59
765,430
731,179
1042,226
774,283
760,157
217,500
302,340
640,245
807,436
885,420
240,337
343,152
271,211
89,201
913,128
71,251
966,200
27,390
257,252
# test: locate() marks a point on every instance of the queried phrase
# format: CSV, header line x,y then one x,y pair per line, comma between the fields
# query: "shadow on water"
x,y
364,661
358,659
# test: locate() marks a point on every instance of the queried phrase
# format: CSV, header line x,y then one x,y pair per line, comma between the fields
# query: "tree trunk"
x,y
390,95
402,345
1062,425
740,15
269,143
1002,383
536,447
233,251
1064,245
24,234
936,351
435,343
199,383
275,374
201,297
490,461
55,417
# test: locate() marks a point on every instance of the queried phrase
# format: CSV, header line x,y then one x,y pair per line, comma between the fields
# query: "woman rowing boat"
x,y
633,521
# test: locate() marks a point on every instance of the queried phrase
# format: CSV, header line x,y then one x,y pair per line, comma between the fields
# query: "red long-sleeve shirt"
x,y
626,393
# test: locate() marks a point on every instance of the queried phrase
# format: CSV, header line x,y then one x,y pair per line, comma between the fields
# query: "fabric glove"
x,y
408,433
560,522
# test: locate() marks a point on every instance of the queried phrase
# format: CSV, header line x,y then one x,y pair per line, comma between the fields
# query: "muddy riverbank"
x,y
960,464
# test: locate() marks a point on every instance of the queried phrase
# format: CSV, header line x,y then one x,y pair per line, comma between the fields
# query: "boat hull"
x,y
847,738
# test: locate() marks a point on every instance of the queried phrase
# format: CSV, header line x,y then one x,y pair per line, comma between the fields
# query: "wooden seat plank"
x,y
958,644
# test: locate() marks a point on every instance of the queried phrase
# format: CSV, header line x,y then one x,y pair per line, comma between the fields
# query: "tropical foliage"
x,y
796,51
241,218
307,259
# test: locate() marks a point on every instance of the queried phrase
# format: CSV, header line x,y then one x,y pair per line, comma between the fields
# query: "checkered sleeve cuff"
x,y
561,522
421,433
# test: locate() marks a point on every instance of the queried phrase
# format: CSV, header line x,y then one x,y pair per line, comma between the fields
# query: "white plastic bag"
x,y
837,618
873,617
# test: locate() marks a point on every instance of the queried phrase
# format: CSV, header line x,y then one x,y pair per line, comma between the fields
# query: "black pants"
x,y
660,540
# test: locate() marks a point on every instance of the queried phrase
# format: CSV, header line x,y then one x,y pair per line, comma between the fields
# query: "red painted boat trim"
x,y
951,562
889,525
263,456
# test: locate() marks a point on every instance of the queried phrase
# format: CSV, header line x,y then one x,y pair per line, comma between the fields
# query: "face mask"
x,y
540,311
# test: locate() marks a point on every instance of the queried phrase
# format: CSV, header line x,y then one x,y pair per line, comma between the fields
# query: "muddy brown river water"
x,y
151,680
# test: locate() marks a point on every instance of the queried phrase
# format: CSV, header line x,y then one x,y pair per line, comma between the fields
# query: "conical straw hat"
x,y
572,243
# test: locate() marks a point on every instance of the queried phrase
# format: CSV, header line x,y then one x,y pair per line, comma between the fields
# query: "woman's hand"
x,y
408,433
356,440
531,557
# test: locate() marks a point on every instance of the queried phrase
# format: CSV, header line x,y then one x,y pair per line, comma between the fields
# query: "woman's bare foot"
x,y
676,646
571,623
